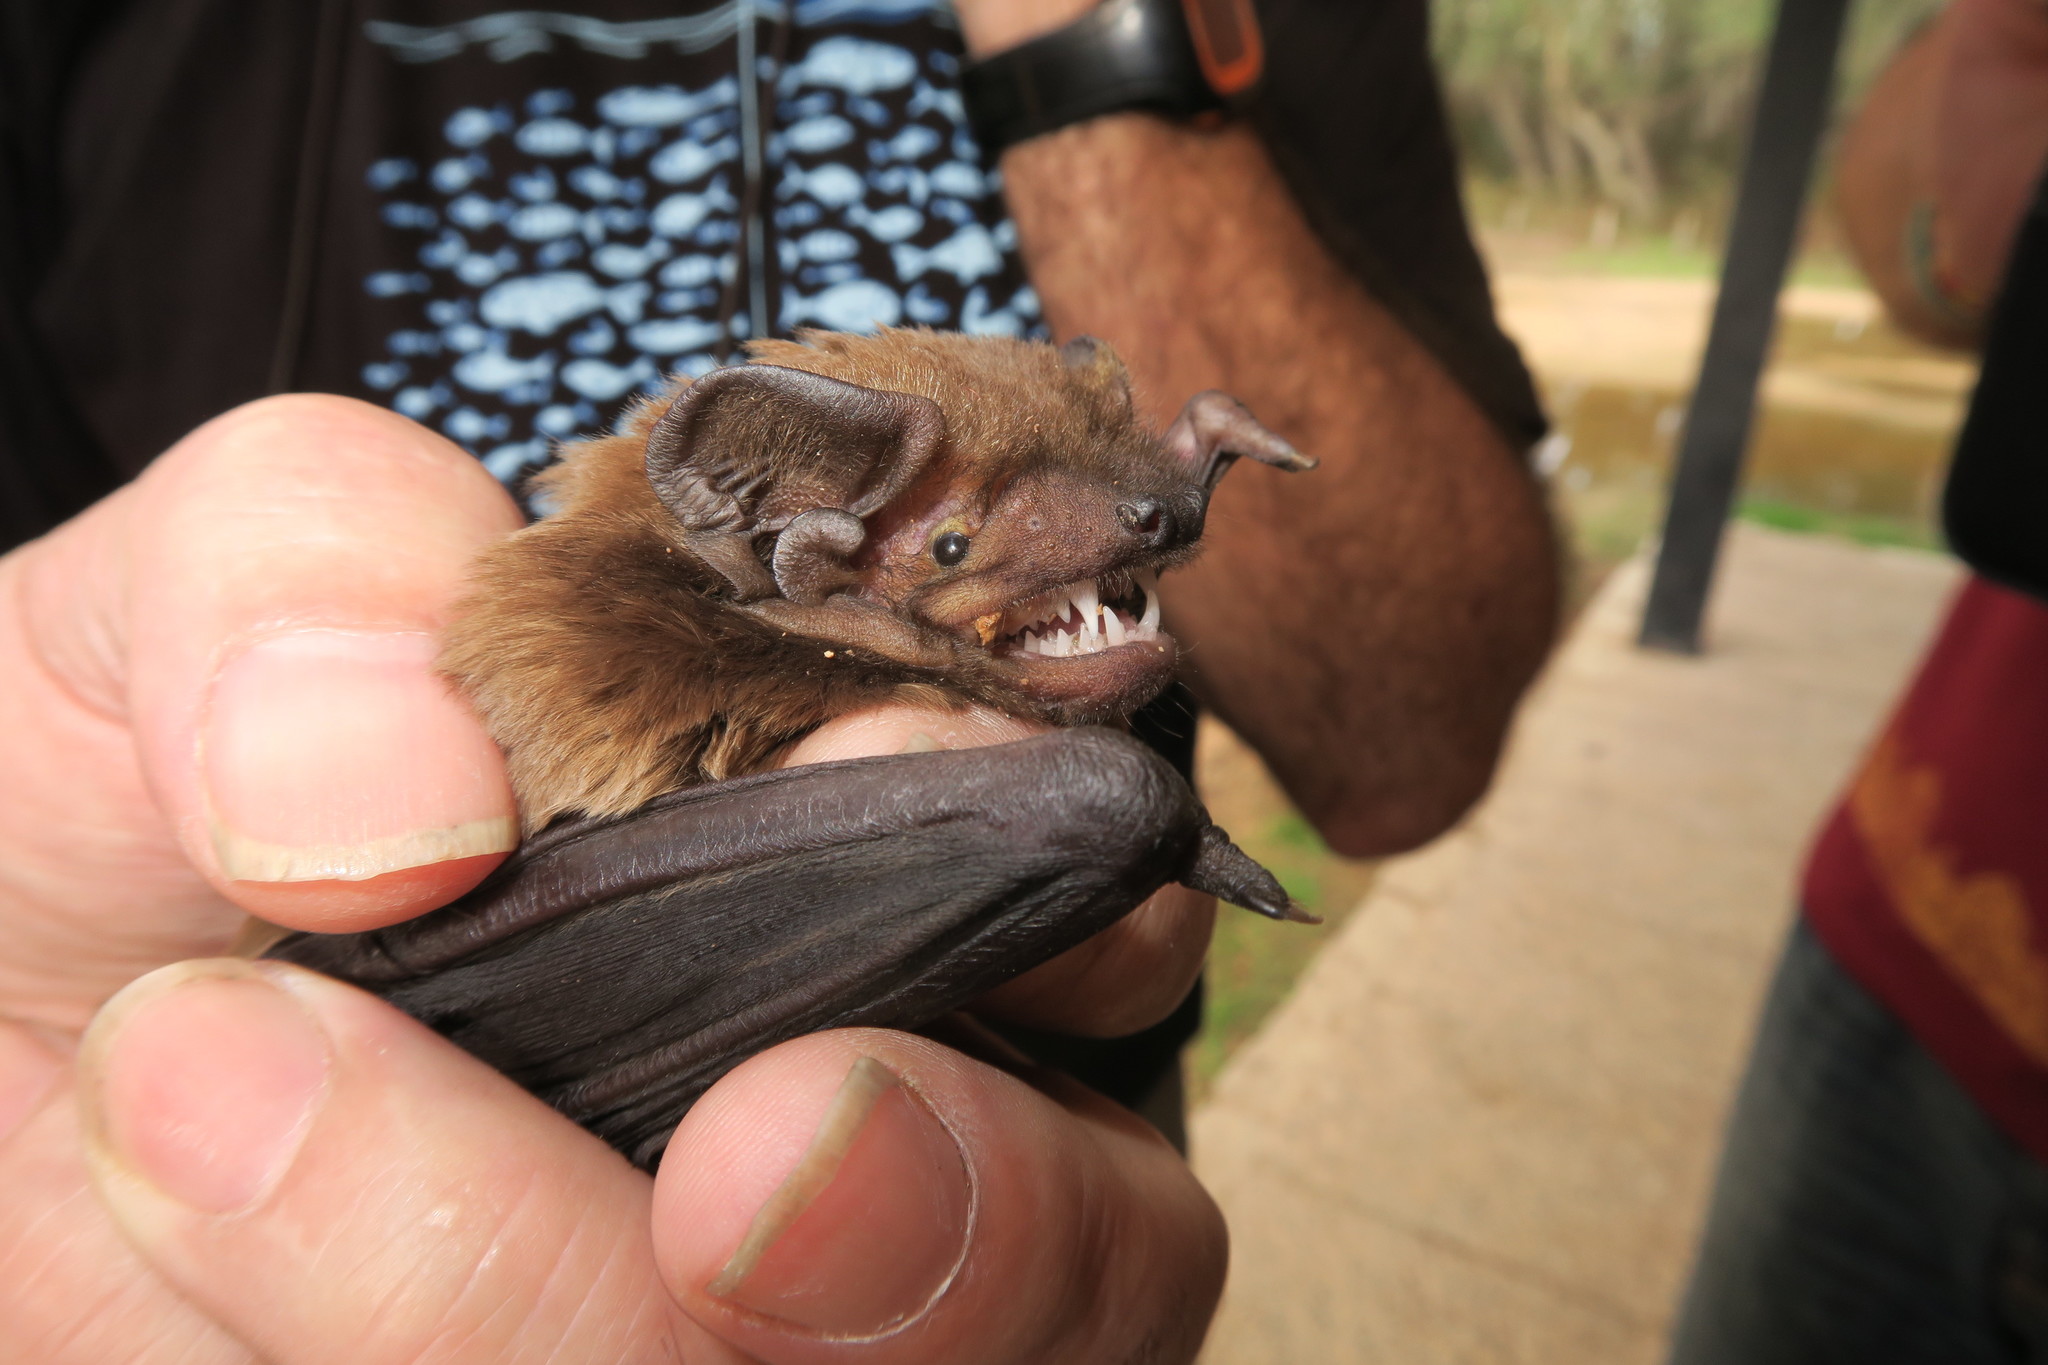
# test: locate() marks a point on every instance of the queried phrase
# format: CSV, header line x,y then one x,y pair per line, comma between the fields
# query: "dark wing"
x,y
618,969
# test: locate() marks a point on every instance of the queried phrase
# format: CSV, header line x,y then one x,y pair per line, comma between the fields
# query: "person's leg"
x,y
1865,1211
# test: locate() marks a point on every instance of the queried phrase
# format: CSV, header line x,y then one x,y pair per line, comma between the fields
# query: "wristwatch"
x,y
1180,58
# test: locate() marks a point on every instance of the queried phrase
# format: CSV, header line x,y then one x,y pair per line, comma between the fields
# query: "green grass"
x,y
1864,530
1664,258
1643,256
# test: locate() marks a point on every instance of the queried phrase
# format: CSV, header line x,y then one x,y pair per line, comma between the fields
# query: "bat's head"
x,y
1002,499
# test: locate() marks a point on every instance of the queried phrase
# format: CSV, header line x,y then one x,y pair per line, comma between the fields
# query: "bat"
x,y
846,520
914,515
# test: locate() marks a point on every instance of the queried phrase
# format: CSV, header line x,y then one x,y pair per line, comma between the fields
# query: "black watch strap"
x,y
1124,54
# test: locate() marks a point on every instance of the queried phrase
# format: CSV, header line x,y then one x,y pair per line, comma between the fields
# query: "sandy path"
x,y
1647,333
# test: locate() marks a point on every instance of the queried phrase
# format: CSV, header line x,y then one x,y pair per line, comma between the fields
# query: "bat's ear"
x,y
1085,352
745,451
1214,429
1098,361
767,436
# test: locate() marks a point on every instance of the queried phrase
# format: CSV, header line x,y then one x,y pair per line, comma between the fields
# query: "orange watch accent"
x,y
1228,44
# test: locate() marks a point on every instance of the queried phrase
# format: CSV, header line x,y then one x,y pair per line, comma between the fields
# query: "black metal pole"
x,y
1791,112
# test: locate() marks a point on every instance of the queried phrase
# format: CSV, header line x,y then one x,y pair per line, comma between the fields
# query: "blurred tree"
x,y
1639,104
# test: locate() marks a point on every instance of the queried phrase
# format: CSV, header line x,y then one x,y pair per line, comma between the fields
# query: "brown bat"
x,y
847,520
914,515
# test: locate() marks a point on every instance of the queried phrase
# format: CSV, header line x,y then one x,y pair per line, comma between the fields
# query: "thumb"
x,y
259,612
330,1182
864,1195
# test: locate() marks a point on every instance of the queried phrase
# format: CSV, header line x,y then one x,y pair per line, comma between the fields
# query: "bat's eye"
x,y
949,549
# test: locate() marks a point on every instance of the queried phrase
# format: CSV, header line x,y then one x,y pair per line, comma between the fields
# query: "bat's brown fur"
x,y
603,655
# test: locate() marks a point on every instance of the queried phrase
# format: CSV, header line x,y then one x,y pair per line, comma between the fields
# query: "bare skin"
x,y
219,681
1958,122
1369,629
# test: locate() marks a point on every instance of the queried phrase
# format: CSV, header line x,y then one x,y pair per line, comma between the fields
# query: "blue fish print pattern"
x,y
564,252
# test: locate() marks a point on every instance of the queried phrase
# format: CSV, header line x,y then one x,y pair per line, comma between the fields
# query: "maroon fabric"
x,y
1930,882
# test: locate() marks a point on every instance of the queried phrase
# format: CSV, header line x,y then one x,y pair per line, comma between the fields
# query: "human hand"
x,y
232,658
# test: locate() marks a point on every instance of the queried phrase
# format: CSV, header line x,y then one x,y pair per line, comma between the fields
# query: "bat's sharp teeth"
x,y
1113,627
1148,624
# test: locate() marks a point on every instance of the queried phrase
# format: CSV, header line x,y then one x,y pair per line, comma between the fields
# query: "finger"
x,y
30,1066
261,607
872,1196
72,1292
1126,978
896,728
332,1183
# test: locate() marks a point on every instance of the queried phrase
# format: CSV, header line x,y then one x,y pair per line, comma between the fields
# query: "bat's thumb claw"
x,y
1297,913
1225,871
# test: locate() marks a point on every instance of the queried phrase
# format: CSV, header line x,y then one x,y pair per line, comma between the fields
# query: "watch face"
x,y
1226,35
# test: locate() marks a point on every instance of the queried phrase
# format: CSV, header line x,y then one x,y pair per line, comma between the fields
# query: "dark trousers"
x,y
1866,1211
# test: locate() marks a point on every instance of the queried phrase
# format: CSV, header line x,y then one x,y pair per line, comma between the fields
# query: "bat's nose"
x,y
1164,523
1142,517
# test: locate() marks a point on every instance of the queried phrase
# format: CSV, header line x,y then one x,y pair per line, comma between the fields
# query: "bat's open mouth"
x,y
1096,642
1088,617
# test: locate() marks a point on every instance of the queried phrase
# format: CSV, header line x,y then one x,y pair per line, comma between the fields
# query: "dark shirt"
x,y
507,223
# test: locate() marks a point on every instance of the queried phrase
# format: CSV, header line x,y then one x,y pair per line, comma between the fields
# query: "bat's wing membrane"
x,y
617,969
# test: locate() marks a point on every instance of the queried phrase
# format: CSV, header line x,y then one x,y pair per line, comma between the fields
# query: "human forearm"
x,y
1368,627
1937,166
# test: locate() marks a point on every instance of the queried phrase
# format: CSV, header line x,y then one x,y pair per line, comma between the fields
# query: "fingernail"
x,y
202,1079
870,1227
30,1064
919,743
340,755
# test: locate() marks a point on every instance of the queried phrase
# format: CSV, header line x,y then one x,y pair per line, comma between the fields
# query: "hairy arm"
x,y
1954,135
1367,627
